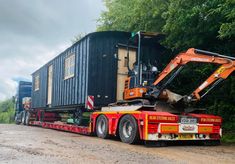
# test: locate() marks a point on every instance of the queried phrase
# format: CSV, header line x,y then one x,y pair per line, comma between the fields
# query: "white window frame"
x,y
69,64
36,83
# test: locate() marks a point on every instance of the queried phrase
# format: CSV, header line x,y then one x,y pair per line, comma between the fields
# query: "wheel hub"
x,y
127,129
101,127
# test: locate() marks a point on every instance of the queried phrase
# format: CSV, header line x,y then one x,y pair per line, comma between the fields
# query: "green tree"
x,y
207,24
133,15
204,24
7,111
227,29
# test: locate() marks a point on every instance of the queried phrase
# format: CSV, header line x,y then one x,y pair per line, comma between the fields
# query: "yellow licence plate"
x,y
185,136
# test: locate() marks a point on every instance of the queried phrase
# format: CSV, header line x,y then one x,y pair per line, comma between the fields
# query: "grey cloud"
x,y
43,18
34,31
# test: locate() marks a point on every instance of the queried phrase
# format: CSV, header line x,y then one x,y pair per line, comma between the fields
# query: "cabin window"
x,y
69,67
36,83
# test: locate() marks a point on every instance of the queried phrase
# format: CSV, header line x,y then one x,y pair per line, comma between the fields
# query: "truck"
x,y
22,101
145,109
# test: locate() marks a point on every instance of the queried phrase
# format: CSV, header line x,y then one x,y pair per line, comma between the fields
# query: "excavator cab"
x,y
141,74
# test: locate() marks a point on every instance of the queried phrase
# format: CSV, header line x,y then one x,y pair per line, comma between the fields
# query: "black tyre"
x,y
102,127
27,118
128,129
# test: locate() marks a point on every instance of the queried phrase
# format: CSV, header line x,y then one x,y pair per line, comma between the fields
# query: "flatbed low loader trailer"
x,y
147,110
133,126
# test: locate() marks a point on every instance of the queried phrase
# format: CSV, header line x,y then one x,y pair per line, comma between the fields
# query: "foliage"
x,y
7,111
228,138
204,24
200,24
227,29
133,15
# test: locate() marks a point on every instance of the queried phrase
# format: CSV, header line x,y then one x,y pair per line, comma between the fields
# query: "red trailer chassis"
x,y
151,126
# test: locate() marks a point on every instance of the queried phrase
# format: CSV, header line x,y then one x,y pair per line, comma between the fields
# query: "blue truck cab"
x,y
24,90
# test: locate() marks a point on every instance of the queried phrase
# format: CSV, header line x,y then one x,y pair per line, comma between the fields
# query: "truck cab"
x,y
22,100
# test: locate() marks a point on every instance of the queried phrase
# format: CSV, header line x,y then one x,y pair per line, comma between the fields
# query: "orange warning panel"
x,y
205,129
169,128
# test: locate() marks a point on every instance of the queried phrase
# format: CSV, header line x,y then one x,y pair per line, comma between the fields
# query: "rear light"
x,y
174,135
216,129
152,128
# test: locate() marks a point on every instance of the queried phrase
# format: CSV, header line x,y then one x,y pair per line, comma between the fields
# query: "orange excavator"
x,y
158,91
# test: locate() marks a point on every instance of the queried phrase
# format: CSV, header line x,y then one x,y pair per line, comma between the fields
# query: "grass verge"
x,y
228,138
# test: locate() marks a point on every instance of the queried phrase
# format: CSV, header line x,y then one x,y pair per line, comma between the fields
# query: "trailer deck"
x,y
145,126
63,127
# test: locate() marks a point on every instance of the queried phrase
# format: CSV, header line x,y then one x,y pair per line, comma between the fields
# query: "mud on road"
x,y
22,144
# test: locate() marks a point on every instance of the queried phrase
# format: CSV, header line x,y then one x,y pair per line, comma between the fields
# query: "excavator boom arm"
x,y
220,74
194,55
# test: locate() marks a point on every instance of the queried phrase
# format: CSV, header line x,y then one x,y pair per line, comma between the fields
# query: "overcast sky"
x,y
34,31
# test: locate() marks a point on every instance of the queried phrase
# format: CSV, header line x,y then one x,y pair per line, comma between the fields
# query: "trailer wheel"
x,y
102,127
128,129
27,118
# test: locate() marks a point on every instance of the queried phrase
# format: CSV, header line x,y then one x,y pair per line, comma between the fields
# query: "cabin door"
x,y
122,72
49,84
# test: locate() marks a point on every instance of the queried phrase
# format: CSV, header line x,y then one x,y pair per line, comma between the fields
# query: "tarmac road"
x,y
21,144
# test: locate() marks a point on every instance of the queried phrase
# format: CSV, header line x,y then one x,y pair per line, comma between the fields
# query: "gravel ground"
x,y
22,144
